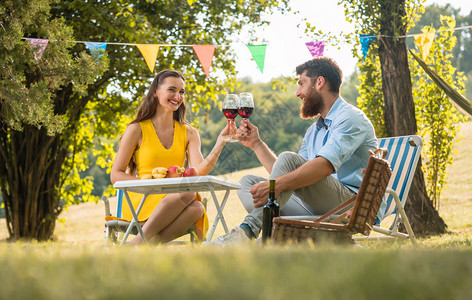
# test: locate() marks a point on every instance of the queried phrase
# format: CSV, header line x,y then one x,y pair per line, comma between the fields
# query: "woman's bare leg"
x,y
170,207
191,214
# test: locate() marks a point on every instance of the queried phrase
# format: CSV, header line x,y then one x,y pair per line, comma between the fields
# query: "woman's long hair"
x,y
149,106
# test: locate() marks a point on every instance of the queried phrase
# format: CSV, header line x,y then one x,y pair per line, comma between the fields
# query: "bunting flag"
x,y
149,52
39,45
205,56
366,40
316,48
97,49
190,2
258,53
424,41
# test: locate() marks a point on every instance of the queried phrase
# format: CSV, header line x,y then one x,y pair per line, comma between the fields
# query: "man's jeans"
x,y
315,199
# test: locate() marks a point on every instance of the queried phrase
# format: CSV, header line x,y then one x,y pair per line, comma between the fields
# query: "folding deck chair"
x,y
115,227
403,155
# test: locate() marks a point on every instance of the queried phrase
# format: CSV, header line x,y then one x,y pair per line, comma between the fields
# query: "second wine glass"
x,y
246,105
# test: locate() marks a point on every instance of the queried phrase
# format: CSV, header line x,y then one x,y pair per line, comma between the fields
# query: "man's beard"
x,y
312,106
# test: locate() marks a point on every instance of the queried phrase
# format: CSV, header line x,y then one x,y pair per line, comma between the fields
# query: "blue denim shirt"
x,y
343,138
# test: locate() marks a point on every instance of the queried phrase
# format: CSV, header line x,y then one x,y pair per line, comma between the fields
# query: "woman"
x,y
160,137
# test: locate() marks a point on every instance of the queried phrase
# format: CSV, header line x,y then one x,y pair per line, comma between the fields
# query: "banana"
x,y
159,170
158,175
146,176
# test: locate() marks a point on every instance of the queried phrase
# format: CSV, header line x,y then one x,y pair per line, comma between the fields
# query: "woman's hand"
x,y
225,133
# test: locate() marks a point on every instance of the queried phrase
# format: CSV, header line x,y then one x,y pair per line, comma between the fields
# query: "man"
x,y
327,169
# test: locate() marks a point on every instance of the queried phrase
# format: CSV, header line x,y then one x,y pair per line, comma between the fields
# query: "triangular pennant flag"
x,y
205,56
190,2
149,52
424,41
316,48
366,40
39,45
258,53
97,49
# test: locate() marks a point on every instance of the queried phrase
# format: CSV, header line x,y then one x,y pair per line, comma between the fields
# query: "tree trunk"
x,y
400,111
33,164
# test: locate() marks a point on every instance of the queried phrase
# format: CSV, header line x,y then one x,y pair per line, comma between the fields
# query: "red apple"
x,y
190,172
174,171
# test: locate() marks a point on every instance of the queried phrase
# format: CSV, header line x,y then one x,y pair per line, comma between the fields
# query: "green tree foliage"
x,y
437,117
370,98
462,52
33,112
350,88
54,111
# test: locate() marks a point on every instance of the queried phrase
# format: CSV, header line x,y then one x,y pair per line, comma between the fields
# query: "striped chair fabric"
x,y
403,155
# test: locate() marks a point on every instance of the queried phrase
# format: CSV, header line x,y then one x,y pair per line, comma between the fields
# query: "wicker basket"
x,y
360,217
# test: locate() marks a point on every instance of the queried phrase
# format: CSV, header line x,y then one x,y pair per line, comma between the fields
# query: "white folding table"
x,y
177,185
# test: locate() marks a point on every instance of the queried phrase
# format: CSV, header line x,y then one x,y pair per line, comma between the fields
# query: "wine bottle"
x,y
269,212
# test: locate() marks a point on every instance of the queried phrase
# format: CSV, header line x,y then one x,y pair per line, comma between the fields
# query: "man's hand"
x,y
248,134
260,193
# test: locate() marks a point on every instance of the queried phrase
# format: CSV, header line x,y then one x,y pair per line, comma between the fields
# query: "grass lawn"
x,y
78,266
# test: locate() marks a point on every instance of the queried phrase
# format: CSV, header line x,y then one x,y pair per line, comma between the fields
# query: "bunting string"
x,y
415,34
160,45
205,53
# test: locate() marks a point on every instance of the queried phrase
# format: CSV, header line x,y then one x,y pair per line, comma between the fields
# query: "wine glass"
x,y
230,110
246,105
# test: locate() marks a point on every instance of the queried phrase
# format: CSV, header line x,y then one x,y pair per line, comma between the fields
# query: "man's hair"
x,y
323,66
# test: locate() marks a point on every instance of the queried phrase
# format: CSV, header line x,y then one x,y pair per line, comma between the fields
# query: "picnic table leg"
x,y
219,213
135,220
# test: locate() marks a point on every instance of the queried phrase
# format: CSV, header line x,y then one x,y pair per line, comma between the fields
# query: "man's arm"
x,y
265,155
248,135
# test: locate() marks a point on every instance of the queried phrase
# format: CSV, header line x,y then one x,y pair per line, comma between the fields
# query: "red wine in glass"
x,y
246,105
245,112
230,113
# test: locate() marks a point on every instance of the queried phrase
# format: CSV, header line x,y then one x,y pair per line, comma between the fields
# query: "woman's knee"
x,y
196,209
187,198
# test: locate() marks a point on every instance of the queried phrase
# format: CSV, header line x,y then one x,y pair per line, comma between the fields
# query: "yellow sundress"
x,y
153,154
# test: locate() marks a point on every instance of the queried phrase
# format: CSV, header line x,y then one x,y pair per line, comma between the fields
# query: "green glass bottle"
x,y
270,211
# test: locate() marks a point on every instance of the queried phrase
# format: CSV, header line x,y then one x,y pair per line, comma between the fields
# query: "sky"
x,y
286,47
